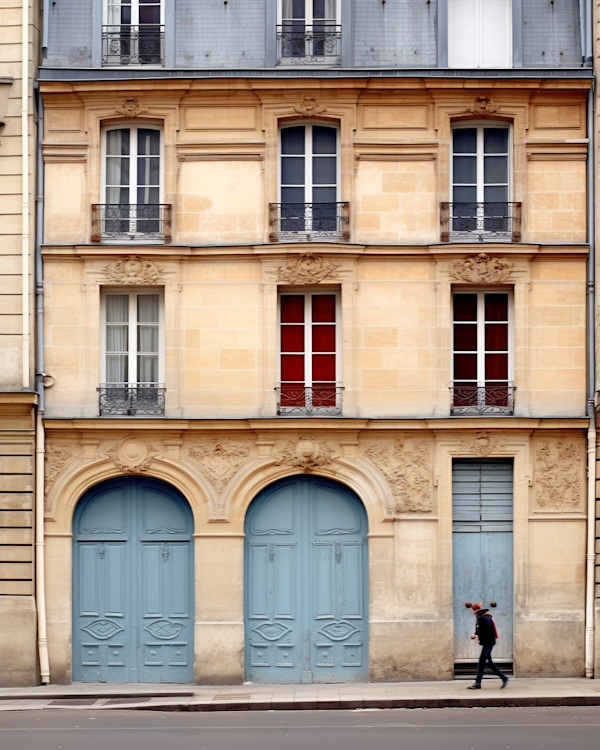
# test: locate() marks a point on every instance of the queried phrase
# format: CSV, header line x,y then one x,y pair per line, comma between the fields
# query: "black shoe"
x,y
476,686
504,683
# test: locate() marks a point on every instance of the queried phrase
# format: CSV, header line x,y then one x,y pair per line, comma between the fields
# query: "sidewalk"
x,y
519,692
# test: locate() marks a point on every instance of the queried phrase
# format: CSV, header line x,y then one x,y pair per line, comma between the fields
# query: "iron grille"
x,y
319,44
309,222
132,399
480,222
133,45
131,221
313,401
483,399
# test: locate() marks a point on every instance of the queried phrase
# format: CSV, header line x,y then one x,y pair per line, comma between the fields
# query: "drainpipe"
x,y
25,385
40,571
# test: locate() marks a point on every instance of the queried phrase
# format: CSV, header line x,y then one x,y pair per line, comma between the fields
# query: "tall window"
x,y
132,184
309,32
133,32
479,34
482,361
133,363
309,345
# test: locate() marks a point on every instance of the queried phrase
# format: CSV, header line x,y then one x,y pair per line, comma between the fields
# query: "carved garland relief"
x,y
307,453
133,271
56,456
558,478
481,269
132,455
406,467
220,461
307,268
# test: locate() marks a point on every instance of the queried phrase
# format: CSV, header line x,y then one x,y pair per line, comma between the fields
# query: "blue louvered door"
x,y
132,584
482,552
306,598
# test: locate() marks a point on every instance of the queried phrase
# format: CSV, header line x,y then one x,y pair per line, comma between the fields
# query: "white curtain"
x,y
117,338
147,343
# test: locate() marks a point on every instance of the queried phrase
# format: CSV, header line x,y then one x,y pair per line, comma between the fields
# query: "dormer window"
x,y
309,32
479,34
133,33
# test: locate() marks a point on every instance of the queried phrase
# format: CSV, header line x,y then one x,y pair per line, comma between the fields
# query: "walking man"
x,y
485,630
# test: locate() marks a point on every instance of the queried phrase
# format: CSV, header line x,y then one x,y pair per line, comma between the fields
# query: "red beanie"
x,y
476,606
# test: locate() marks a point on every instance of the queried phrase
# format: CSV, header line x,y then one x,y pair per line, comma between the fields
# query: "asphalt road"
x,y
402,729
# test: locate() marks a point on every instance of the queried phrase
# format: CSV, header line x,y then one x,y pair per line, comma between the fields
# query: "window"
x,y
480,186
133,32
133,364
309,207
132,176
308,32
479,34
482,360
309,367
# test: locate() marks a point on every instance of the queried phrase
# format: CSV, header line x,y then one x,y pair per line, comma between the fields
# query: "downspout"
x,y
25,384
40,568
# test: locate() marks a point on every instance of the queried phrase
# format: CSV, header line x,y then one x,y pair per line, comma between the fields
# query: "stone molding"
x,y
308,268
132,455
307,453
481,269
559,475
133,271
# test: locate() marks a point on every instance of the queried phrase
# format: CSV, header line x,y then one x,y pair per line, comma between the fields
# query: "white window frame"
x,y
133,294
308,295
326,60
481,292
479,37
135,12
481,125
308,13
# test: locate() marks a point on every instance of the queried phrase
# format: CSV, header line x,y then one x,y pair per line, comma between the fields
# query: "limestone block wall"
x,y
403,474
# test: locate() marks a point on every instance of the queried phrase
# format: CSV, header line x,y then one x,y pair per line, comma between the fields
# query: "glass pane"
x,y
323,308
496,194
117,142
467,196
292,338
117,196
117,338
147,339
496,307
117,368
324,140
117,308
465,140
324,170
150,14
148,196
465,367
323,367
465,338
292,171
465,169
292,368
496,366
148,142
292,309
495,140
496,337
495,169
324,195
147,308
147,369
465,307
148,170
292,140
323,339
319,9
117,170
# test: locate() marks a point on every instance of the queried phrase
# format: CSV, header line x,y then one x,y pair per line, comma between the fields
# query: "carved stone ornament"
x,y
481,269
309,107
481,106
483,444
307,268
407,469
132,455
133,271
307,453
130,108
56,456
220,461
558,478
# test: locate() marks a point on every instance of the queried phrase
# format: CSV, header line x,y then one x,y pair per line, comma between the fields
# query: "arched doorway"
x,y
133,598
306,583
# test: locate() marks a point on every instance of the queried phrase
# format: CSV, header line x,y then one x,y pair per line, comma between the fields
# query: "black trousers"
x,y
486,657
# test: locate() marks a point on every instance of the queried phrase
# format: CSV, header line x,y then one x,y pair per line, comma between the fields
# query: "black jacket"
x,y
485,631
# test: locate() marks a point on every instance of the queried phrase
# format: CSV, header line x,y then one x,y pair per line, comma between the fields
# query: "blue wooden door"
x,y
306,598
133,584
482,538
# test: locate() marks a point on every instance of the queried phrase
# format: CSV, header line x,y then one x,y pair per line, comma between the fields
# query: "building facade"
x,y
315,315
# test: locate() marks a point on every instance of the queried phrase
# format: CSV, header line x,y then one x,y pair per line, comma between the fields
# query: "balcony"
x,y
318,401
132,399
309,222
480,222
483,399
131,222
133,45
319,44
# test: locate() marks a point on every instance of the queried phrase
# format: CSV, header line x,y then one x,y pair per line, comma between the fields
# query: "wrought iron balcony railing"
x,y
132,399
131,221
301,401
483,399
133,45
309,222
319,44
480,222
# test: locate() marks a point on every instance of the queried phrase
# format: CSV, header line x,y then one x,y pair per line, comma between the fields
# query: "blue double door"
x,y
306,588
133,613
